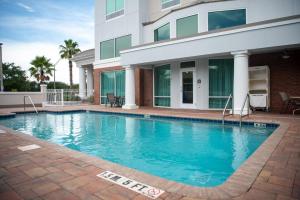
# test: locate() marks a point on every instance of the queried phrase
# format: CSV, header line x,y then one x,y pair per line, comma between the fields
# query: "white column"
x,y
82,83
129,88
241,81
90,81
43,88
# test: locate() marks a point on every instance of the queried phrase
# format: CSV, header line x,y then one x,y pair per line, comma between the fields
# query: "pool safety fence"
x,y
63,97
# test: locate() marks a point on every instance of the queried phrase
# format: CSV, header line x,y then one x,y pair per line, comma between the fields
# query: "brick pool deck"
x,y
55,172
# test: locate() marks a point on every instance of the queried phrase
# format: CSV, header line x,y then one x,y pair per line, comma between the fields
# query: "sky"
x,y
30,28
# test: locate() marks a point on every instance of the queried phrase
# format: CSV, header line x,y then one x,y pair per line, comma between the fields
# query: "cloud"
x,y
41,30
22,53
26,7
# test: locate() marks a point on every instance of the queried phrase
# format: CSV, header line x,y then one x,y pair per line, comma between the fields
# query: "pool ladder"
x,y
225,109
247,99
29,97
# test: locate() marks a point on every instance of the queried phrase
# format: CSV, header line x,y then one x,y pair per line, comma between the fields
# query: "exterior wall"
x,y
155,11
97,81
284,74
16,99
127,24
256,10
264,36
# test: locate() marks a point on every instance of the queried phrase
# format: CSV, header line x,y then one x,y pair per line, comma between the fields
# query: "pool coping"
x,y
237,184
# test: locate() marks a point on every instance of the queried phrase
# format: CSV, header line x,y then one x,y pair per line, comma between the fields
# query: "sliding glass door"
x,y
220,82
112,82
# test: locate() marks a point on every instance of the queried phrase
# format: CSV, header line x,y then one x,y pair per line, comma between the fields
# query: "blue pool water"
x,y
194,153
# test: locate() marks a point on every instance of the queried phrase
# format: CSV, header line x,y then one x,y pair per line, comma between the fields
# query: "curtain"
x,y
107,84
162,86
120,83
220,82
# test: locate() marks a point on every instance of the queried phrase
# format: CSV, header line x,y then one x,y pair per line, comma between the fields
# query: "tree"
x,y
14,79
67,51
58,85
41,69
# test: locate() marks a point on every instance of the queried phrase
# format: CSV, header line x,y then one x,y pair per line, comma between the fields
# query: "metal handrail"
x,y
225,108
29,97
242,109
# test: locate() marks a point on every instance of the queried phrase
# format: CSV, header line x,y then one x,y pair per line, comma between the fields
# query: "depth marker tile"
x,y
29,147
130,184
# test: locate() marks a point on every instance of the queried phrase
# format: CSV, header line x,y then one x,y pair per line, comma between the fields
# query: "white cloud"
x,y
26,7
21,53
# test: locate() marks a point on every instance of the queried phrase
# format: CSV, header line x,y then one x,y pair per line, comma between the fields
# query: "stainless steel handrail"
x,y
242,109
225,108
29,97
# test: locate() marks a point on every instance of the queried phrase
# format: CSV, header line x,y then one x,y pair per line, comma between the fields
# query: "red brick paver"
x,y
54,172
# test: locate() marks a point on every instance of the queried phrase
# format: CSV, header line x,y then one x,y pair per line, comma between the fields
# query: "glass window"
x,y
169,3
119,5
162,83
114,8
110,6
111,48
112,82
225,19
220,82
162,33
187,26
122,43
107,49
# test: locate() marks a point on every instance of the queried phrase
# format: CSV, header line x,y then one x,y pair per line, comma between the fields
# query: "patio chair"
x,y
286,102
111,99
296,105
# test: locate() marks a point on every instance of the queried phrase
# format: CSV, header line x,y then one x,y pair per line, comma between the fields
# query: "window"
x,y
112,82
122,43
187,26
169,3
111,48
162,33
220,82
107,49
114,8
225,19
162,83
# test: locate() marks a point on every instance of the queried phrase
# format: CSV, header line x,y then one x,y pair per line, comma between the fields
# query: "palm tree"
x,y
67,51
41,69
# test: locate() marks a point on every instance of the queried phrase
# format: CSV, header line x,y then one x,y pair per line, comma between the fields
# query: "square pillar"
x,y
240,81
129,88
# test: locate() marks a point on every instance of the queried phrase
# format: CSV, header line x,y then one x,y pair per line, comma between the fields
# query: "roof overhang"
x,y
84,58
282,32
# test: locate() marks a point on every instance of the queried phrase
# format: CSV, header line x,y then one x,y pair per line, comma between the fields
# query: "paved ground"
x,y
52,173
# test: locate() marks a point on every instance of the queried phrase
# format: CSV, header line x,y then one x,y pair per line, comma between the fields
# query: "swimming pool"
x,y
193,152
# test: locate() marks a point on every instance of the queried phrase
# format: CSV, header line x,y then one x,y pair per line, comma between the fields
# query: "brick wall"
x,y
284,74
147,87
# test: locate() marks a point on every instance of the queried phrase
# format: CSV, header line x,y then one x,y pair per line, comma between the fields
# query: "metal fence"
x,y
61,97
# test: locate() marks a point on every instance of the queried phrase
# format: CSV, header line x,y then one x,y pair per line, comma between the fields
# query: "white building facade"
x,y
186,53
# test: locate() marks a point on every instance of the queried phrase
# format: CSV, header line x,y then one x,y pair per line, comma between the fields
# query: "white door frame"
x,y
188,105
